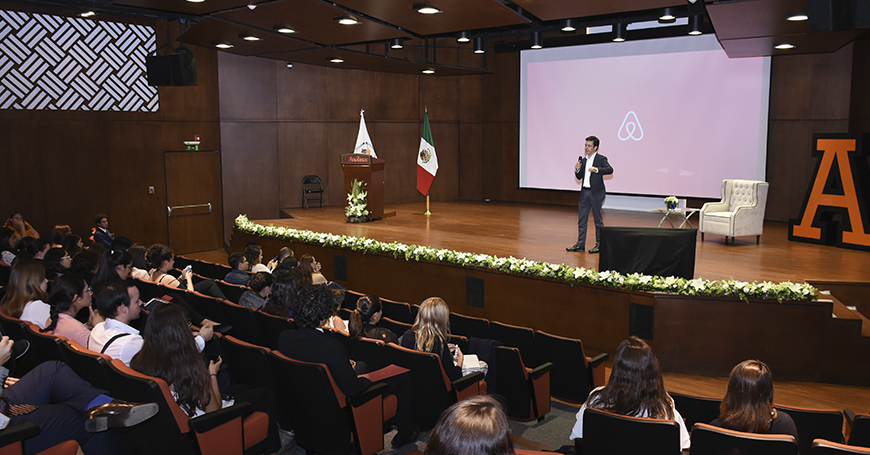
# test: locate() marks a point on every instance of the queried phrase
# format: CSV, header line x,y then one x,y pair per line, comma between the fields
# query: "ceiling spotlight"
x,y
667,15
569,26
784,46
620,32
695,25
336,60
427,71
397,43
346,20
195,1
797,17
247,37
223,45
89,13
425,8
537,40
289,65
252,6
283,29
479,46
463,37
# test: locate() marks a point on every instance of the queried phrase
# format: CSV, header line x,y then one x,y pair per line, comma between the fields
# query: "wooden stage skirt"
x,y
698,335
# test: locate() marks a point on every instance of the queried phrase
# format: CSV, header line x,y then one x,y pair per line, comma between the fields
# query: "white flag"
x,y
363,141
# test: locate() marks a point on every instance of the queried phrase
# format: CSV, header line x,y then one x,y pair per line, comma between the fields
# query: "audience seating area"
x,y
531,367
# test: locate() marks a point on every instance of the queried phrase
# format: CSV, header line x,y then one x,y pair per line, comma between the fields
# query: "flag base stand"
x,y
427,212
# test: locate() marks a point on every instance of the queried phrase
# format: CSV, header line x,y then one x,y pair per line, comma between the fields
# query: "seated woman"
x,y
8,242
23,228
115,265
57,262
635,388
140,264
365,318
169,353
162,259
70,294
73,244
57,234
261,287
86,264
430,333
254,256
25,296
282,297
310,265
474,426
31,248
748,402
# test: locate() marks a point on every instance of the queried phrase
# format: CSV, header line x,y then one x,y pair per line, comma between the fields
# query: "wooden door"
x,y
194,207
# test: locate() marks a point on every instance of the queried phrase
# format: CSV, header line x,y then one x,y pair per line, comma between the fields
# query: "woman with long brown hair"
x,y
430,333
25,296
364,320
635,388
169,353
748,402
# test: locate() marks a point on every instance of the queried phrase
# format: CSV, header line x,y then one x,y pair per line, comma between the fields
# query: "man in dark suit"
x,y
101,231
590,170
312,308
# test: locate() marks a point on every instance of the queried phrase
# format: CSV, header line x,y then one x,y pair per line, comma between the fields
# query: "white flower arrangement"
x,y
785,291
357,203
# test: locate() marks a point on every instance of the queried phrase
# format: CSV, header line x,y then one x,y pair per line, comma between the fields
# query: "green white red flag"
x,y
427,160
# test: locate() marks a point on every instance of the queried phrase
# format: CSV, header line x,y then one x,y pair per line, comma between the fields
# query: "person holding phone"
x,y
590,170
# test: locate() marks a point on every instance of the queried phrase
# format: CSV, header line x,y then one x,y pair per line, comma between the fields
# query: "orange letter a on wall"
x,y
838,189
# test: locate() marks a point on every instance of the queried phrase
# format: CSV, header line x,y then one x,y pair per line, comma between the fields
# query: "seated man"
x,y
313,307
65,407
101,231
239,266
119,302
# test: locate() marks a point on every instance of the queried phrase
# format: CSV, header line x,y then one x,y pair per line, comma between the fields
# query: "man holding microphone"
x,y
590,170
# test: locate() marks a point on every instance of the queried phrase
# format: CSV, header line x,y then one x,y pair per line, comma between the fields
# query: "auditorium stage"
x,y
542,232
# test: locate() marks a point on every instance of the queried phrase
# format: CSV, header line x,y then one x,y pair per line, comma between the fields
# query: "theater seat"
x,y
575,374
606,433
814,424
695,409
526,390
12,441
823,447
858,428
710,440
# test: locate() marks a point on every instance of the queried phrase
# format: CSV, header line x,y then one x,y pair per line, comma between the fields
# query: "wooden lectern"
x,y
365,168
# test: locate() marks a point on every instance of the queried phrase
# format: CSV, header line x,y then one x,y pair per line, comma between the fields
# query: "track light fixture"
x,y
620,32
695,25
569,25
537,40
479,45
463,37
425,8
397,43
427,71
346,19
667,16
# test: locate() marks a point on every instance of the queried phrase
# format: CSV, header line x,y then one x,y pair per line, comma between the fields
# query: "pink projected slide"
x,y
673,123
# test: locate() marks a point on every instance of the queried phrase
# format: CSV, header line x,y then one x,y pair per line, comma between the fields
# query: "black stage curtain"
x,y
652,251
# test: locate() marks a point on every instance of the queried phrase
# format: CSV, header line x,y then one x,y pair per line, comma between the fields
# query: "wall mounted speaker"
x,y
171,69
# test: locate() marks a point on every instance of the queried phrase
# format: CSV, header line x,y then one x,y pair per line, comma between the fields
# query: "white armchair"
x,y
739,213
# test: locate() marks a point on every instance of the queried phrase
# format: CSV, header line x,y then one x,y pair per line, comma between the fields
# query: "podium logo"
x,y
630,128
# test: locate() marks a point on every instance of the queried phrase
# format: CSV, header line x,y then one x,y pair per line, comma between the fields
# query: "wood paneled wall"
x,y
65,167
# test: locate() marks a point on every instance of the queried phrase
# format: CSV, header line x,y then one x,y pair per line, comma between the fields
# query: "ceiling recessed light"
x,y
223,45
425,8
89,13
784,46
247,37
336,60
289,64
346,20
796,17
428,71
283,29
252,6
195,1
463,37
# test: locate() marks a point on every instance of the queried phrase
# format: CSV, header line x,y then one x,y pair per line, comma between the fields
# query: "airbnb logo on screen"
x,y
630,128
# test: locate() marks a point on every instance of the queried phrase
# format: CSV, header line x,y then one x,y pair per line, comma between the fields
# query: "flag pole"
x,y
427,212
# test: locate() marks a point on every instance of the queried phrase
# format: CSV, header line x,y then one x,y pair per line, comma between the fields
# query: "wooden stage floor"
x,y
542,232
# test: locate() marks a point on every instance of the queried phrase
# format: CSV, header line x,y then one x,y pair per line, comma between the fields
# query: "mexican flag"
x,y
427,161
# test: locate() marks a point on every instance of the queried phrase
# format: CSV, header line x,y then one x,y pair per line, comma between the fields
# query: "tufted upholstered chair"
x,y
739,213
